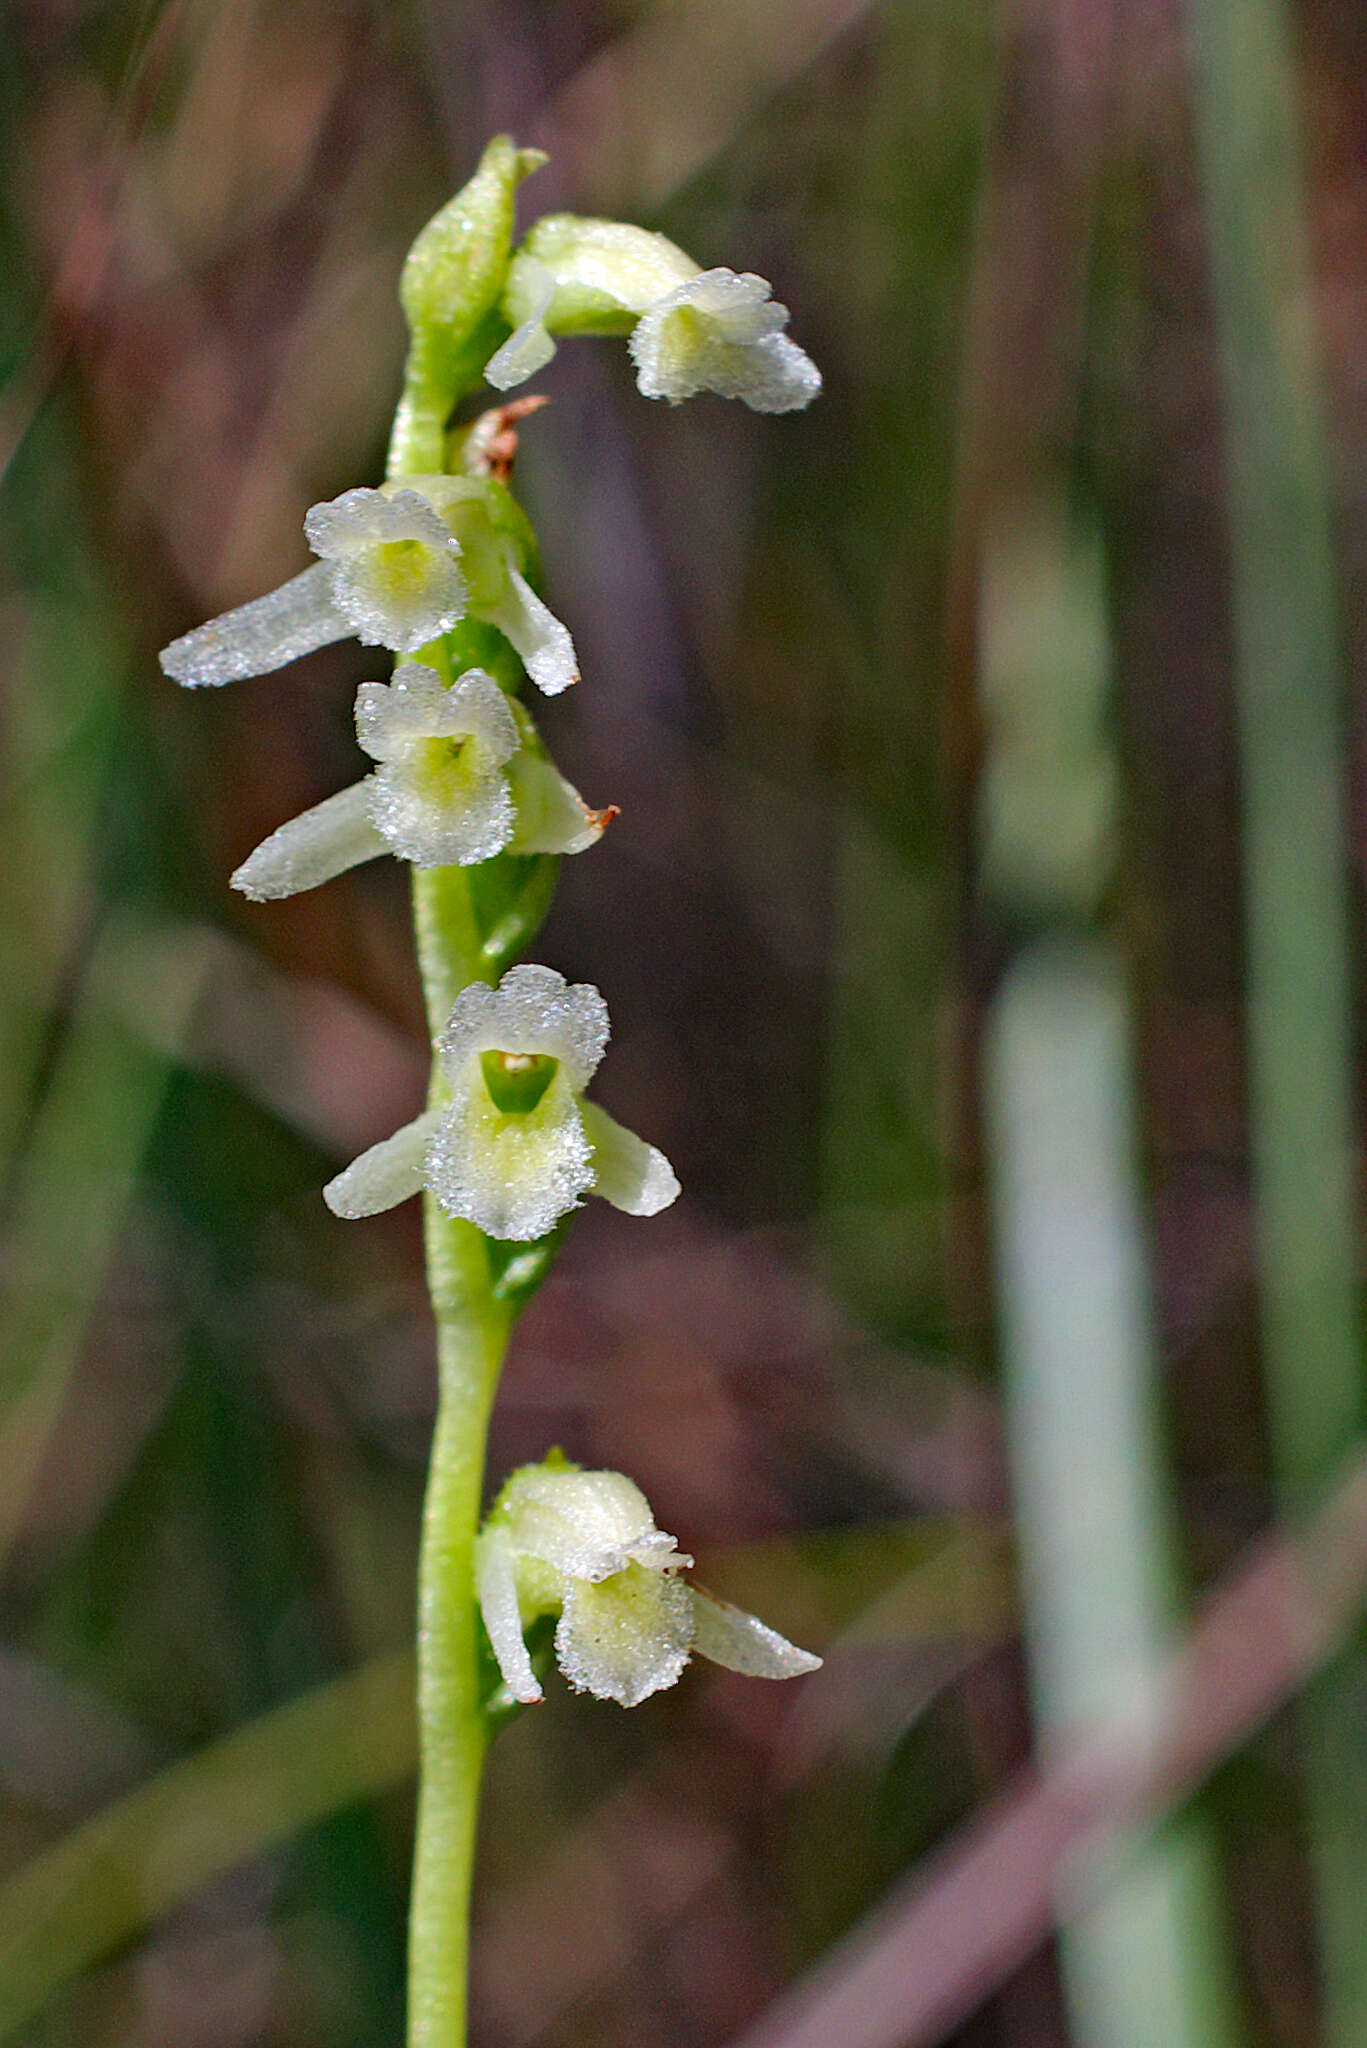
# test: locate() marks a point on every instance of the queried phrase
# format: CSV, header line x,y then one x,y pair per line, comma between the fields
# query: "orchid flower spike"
x,y
584,1547
399,566
689,330
462,776
516,1146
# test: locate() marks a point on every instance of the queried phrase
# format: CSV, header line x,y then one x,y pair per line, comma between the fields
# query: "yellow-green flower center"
x,y
443,770
516,1081
401,568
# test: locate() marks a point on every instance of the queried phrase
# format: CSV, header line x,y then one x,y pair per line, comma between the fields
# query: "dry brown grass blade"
x,y
1041,1850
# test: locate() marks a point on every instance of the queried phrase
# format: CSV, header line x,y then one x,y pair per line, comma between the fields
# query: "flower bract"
x,y
583,1546
516,1146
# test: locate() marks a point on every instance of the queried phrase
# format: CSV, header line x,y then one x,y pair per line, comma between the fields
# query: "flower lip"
x,y
721,331
439,796
393,566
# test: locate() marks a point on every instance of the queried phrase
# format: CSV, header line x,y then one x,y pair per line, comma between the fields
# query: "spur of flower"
x,y
515,1146
583,1546
399,566
462,776
688,329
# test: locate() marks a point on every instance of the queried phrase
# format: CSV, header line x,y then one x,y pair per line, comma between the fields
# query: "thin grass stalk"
x,y
1148,1962
77,1178
147,1853
1291,717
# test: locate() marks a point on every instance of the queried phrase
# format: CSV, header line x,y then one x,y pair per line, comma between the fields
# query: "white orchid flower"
x,y
722,332
399,567
689,330
460,779
584,1546
516,1146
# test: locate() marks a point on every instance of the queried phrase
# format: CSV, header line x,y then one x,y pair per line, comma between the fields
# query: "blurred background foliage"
x,y
981,937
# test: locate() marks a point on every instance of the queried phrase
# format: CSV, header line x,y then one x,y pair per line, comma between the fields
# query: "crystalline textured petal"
x,y
539,638
529,347
439,796
416,705
742,1642
385,1175
720,332
366,518
534,1010
513,1175
627,1172
335,835
447,834
585,1525
393,565
496,1587
261,636
627,1637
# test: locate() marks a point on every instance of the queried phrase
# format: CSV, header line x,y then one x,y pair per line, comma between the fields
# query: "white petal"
x,y
721,332
544,645
730,1636
466,819
439,797
512,1174
625,1637
627,1172
529,347
584,1525
390,716
533,1009
605,272
385,1175
367,518
335,835
771,375
417,705
550,815
496,1586
401,614
393,566
258,637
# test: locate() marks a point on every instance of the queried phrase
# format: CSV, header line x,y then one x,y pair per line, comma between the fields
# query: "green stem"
x,y
473,1326
472,1336
452,1727
417,442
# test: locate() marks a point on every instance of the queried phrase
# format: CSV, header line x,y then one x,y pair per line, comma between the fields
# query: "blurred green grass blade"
x,y
79,1170
1294,766
882,1176
1147,1963
344,1741
1292,730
